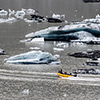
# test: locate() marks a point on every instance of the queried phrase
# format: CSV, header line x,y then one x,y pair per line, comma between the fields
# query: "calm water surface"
x,y
41,81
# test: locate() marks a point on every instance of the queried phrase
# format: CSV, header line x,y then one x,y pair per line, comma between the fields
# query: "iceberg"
x,y
66,35
86,30
33,57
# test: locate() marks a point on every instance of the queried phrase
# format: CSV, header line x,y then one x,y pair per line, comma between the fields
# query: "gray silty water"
x,y
41,81
47,90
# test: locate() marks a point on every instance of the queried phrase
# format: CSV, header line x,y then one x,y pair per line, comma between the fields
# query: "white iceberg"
x,y
33,57
47,30
40,40
3,13
58,16
88,29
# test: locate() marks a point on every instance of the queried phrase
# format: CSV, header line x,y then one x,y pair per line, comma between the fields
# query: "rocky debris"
x,y
54,20
87,71
39,18
93,54
86,1
92,63
93,42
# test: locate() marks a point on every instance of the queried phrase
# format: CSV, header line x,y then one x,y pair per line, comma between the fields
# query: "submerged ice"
x,y
33,57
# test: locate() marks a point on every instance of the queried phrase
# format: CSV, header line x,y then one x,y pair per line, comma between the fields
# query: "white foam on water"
x,y
83,79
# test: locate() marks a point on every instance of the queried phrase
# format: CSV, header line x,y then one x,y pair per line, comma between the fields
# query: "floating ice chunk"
x,y
58,16
62,44
31,11
34,48
58,49
57,56
11,12
20,14
2,52
26,40
38,40
65,95
32,57
8,20
25,91
3,13
44,31
97,16
11,20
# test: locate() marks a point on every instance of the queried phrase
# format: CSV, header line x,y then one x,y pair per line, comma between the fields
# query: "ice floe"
x,y
8,20
34,48
58,16
33,57
2,52
58,49
3,13
20,14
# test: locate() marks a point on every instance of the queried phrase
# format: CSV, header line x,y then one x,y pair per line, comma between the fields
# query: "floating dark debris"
x,y
92,63
93,42
87,71
87,1
39,18
93,54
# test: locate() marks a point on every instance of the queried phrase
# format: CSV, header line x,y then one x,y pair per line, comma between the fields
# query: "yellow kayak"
x,y
64,75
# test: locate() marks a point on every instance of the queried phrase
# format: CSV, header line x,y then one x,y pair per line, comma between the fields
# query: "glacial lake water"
x,y
31,82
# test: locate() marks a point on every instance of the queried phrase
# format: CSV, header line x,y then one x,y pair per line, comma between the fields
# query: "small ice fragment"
x,y
25,91
65,95
58,49
34,48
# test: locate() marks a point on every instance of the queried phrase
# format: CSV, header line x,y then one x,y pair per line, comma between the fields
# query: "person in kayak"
x,y
60,71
